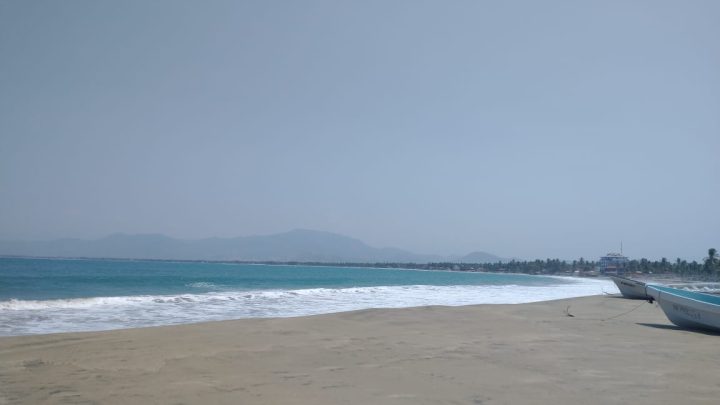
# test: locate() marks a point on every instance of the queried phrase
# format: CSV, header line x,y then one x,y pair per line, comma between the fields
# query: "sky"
x,y
522,128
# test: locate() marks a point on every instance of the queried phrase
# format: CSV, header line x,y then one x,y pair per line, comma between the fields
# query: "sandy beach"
x,y
485,354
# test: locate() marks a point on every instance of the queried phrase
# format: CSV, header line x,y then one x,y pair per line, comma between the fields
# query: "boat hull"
x,y
688,309
629,288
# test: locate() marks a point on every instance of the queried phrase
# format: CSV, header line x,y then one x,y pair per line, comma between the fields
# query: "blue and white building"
x,y
612,263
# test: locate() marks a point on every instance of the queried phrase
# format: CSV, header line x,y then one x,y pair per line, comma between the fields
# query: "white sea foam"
x,y
205,285
22,317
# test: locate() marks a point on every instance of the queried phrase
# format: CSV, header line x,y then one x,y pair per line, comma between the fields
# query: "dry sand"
x,y
486,354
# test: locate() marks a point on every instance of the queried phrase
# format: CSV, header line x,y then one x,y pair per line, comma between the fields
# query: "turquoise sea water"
x,y
40,279
43,295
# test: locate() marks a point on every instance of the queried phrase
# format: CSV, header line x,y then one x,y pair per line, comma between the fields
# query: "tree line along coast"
x,y
707,269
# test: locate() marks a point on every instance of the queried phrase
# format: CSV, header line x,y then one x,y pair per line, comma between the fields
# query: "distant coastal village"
x,y
607,265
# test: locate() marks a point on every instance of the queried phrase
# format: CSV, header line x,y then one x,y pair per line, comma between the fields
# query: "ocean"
x,y
53,295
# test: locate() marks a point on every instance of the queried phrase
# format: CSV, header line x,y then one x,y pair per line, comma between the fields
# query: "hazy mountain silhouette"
x,y
298,245
480,257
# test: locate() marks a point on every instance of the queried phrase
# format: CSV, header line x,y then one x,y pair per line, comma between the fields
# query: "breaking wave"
x,y
23,317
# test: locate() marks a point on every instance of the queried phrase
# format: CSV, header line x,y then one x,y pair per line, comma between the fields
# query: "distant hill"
x,y
300,245
480,257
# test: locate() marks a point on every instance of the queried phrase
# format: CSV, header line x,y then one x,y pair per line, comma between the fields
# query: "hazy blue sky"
x,y
522,128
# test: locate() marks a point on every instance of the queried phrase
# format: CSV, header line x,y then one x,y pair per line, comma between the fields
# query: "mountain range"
x,y
299,245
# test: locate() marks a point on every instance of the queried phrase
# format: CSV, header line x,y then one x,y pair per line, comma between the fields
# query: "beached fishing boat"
x,y
635,289
630,288
687,309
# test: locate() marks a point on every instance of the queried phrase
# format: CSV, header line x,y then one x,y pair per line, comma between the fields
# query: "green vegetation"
x,y
709,269
711,263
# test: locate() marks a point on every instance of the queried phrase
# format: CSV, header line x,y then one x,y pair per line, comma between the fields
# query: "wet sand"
x,y
484,354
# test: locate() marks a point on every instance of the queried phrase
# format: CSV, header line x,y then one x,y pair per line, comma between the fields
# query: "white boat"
x,y
687,309
630,288
635,289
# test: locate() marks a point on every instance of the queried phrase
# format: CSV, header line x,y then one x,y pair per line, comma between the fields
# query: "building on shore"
x,y
612,263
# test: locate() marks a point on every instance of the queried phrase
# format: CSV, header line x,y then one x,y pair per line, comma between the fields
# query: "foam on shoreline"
x,y
24,317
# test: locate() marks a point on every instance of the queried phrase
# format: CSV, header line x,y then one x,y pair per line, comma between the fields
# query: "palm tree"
x,y
711,261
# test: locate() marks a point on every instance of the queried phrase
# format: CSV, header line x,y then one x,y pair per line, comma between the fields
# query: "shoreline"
x,y
40,317
489,353
340,313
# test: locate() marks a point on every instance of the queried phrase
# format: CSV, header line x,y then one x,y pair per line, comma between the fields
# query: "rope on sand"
x,y
624,313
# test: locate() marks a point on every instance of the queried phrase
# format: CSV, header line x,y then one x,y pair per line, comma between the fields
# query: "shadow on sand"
x,y
608,295
674,327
